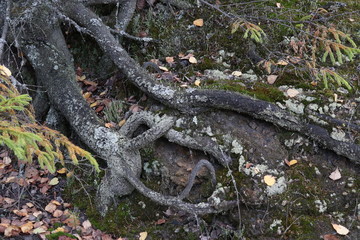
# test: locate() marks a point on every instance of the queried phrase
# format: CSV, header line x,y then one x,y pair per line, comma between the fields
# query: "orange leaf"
x,y
198,22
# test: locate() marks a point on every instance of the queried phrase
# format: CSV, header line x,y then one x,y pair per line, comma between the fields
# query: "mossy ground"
x,y
296,207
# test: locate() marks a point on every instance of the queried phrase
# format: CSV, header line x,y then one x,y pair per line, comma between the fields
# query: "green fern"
x,y
29,140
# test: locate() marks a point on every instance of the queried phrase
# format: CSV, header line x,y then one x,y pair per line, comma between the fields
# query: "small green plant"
x,y
27,139
327,75
114,111
256,32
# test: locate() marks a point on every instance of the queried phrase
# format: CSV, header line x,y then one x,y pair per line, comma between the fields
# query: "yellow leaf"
x,y
192,60
70,174
61,171
163,68
54,181
340,229
59,229
122,122
143,235
95,104
269,180
87,95
5,71
291,162
199,22
25,228
197,83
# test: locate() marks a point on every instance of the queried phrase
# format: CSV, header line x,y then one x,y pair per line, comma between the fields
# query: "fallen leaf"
x,y
248,165
54,181
80,78
11,231
192,60
59,229
269,180
6,160
351,19
27,227
198,22
271,79
143,235
163,68
58,213
5,71
278,5
236,73
21,213
87,95
160,221
330,237
169,59
291,162
110,125
197,83
91,83
335,175
122,122
291,92
61,171
340,229
72,221
282,63
39,230
86,224
50,208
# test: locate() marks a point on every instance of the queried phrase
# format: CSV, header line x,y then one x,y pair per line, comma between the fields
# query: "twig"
x,y
125,34
5,29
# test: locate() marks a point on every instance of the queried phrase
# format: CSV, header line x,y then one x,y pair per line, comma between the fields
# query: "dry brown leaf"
x,y
269,180
50,208
341,230
91,83
330,237
335,175
160,221
198,22
169,59
29,204
21,213
271,79
291,92
11,231
25,228
110,125
72,221
58,213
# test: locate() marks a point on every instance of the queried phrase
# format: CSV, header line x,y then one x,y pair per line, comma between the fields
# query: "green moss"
x,y
55,236
259,90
